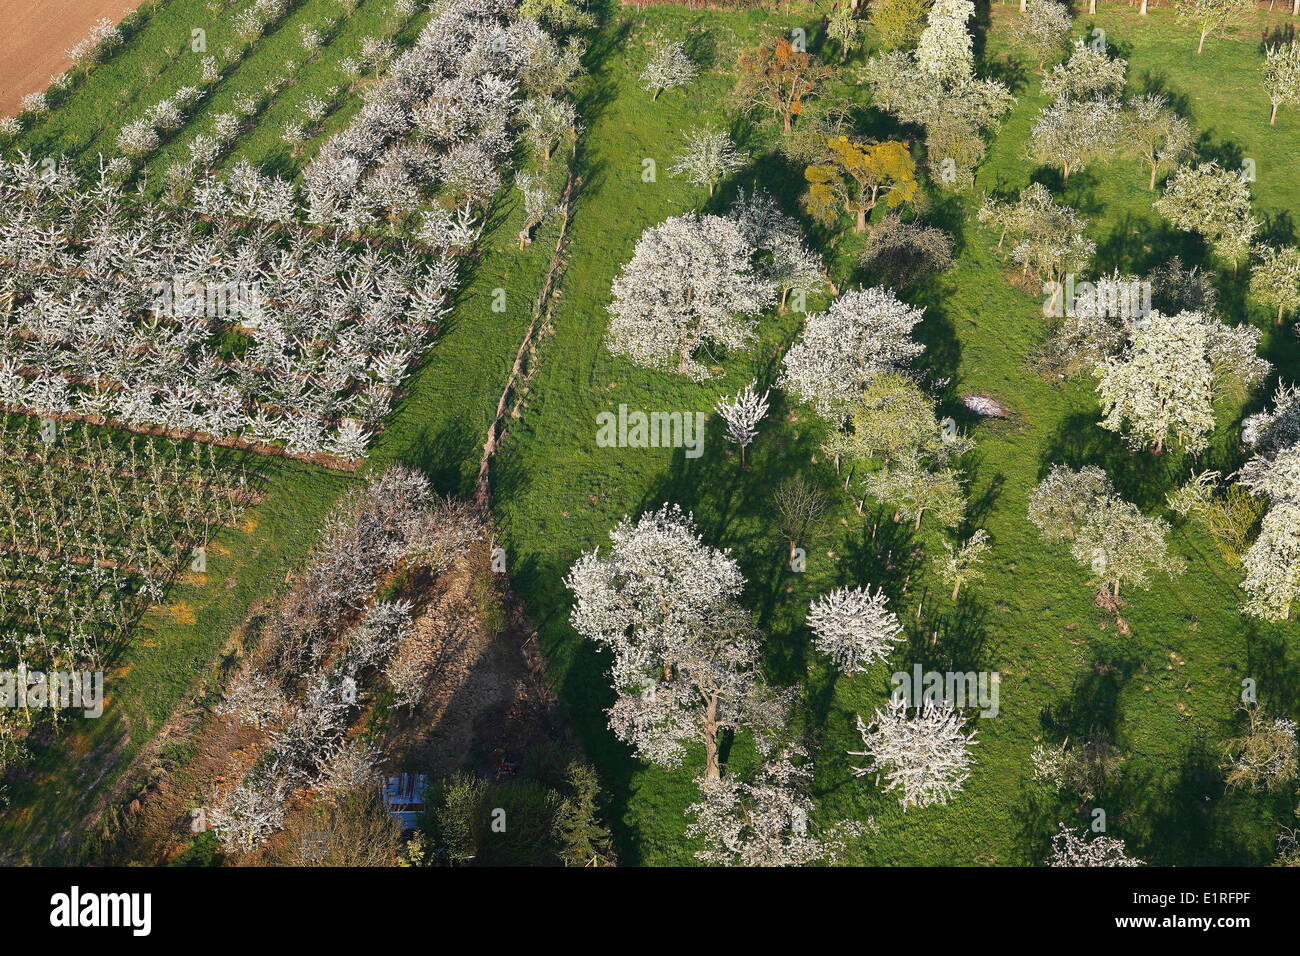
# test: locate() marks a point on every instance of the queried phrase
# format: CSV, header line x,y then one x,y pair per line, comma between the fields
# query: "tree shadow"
x,y
1140,477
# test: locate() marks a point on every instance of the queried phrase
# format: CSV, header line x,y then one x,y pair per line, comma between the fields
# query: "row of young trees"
x,y
92,532
117,307
102,40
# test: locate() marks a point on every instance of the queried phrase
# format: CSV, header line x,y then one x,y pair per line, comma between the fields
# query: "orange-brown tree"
x,y
778,78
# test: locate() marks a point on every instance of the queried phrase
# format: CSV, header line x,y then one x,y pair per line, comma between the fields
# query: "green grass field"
x,y
1167,693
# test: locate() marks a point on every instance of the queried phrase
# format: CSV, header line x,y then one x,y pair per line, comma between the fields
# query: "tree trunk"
x,y
711,740
956,589
1143,11
1023,5
1279,314
1201,45
1152,187
785,119
1273,116
861,225
1092,7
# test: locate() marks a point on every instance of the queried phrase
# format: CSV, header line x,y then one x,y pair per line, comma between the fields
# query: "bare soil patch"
x,y
34,38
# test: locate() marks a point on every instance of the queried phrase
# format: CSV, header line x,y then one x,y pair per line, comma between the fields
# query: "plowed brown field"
x,y
34,38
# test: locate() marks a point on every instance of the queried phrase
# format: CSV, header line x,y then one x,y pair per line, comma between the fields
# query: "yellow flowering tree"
x,y
854,177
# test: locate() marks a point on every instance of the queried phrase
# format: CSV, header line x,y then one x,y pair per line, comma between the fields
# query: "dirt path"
x,y
527,349
34,35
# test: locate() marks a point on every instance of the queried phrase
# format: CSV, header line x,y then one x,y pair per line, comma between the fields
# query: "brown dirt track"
x,y
34,38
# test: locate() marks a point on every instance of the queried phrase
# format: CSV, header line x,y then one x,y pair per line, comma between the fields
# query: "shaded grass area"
x,y
1166,693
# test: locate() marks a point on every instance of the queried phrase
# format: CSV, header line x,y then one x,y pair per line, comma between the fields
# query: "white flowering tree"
x,y
1071,849
547,121
1275,278
944,50
854,627
685,655
1089,74
764,822
783,257
1214,202
1282,76
1211,16
670,67
657,586
959,565
691,282
1048,238
1272,564
709,157
101,41
1267,756
1163,385
539,200
742,415
1122,546
1156,133
253,698
1107,534
1060,502
935,87
246,813
712,683
1043,28
1069,134
864,332
924,757
1269,431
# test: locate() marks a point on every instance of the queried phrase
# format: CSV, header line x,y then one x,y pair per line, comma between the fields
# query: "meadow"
x,y
1167,693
